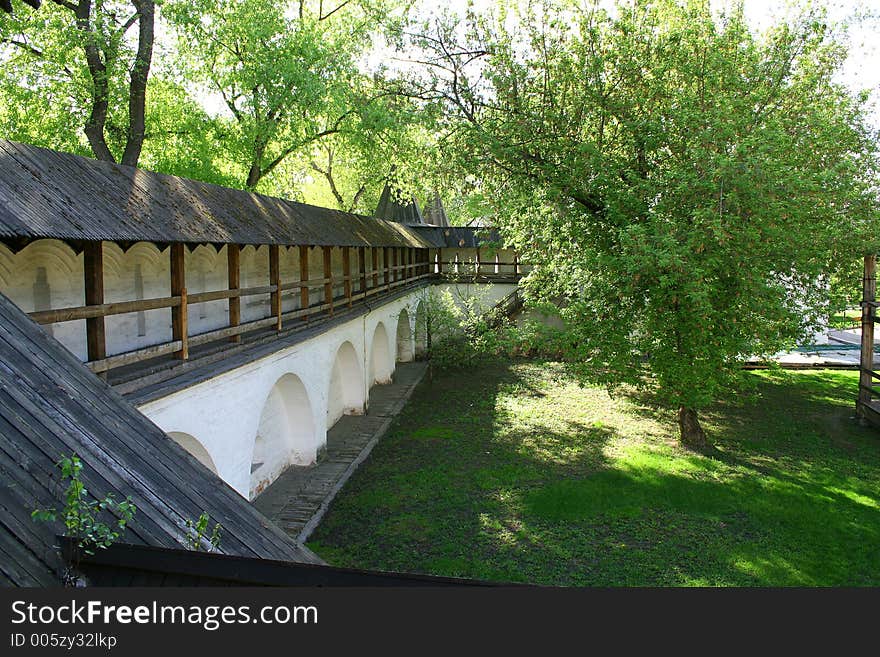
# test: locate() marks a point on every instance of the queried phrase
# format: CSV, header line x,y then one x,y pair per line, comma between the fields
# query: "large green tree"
x,y
79,58
684,184
287,73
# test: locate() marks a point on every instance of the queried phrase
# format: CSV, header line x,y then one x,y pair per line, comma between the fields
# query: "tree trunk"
x,y
94,127
692,434
137,90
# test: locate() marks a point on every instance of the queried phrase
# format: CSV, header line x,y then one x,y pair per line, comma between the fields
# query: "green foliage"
x,y
197,532
81,514
288,78
464,335
686,186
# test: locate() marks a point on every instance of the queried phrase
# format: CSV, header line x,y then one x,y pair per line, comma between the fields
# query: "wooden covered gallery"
x,y
50,405
125,266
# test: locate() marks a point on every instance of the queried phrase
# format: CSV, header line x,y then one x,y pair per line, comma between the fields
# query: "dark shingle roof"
x,y
45,193
462,237
391,209
435,213
51,404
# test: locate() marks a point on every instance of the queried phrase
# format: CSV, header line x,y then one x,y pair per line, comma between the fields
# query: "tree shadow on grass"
x,y
460,488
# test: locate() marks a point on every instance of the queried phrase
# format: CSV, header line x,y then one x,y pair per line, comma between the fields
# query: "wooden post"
x,y
869,297
275,279
385,262
440,260
477,265
93,270
233,259
374,252
362,269
346,272
179,319
304,279
328,279
396,261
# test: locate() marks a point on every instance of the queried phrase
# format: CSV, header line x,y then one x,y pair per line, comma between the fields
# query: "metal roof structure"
x,y
52,405
49,194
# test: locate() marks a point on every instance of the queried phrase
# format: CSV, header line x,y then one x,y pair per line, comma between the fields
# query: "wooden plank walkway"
x,y
297,501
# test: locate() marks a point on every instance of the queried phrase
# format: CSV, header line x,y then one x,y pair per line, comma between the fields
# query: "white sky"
x,y
862,69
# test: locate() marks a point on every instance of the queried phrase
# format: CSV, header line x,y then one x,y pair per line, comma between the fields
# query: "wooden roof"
x,y
462,237
49,194
52,405
391,209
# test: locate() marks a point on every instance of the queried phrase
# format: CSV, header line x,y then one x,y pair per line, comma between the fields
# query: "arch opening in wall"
x,y
381,363
346,394
421,332
285,435
192,445
404,338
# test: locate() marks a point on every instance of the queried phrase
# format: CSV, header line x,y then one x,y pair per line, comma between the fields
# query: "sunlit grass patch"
x,y
522,474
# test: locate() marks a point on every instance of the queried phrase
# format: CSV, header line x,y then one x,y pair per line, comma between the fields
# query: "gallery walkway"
x,y
297,501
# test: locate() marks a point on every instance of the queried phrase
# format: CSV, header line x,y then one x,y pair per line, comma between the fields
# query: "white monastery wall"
x,y
253,422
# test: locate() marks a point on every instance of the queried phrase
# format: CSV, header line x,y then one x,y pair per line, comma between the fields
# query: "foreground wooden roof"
x,y
49,194
52,405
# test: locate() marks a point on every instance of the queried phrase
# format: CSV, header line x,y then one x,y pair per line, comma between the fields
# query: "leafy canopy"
x,y
685,185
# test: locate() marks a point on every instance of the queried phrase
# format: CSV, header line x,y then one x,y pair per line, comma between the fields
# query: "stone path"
x,y
297,501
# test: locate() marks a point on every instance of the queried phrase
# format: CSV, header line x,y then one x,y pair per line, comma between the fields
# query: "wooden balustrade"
x,y
400,267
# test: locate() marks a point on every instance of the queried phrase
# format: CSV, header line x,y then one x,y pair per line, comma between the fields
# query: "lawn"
x,y
517,473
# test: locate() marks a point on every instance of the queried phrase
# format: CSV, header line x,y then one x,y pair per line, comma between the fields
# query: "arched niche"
x,y
194,447
346,394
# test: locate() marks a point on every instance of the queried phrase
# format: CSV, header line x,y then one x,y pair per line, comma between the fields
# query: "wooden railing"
x,y
402,266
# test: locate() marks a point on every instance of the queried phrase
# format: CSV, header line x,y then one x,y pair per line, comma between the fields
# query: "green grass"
x,y
519,474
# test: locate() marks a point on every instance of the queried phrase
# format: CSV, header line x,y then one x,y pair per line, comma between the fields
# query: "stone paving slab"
x,y
300,497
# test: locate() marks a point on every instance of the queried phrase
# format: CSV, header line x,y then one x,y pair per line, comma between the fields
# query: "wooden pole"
x,y
869,297
304,279
93,270
386,264
233,259
346,272
374,252
396,261
328,279
440,260
362,269
275,280
179,319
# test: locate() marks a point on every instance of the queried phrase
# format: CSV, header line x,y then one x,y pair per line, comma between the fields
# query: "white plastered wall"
x,y
227,413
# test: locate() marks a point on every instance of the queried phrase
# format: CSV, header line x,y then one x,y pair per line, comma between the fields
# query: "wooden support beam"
x,y
387,271
93,269
179,319
304,276
374,252
328,277
396,261
275,281
362,269
477,265
346,273
233,259
866,361
440,259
